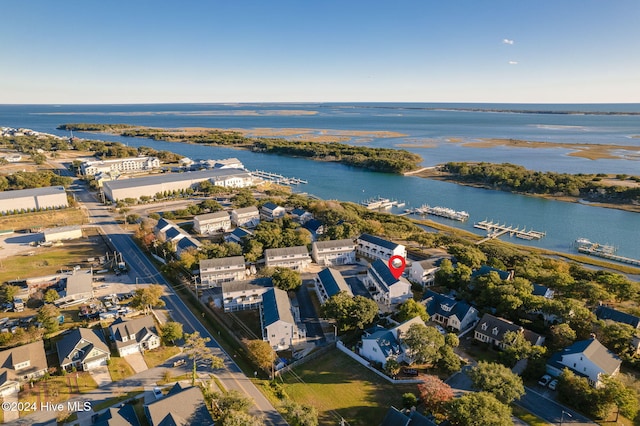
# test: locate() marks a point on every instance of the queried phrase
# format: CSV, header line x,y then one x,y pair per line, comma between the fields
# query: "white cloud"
x,y
513,62
507,41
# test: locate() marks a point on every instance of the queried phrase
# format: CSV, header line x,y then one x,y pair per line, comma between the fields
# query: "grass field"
x,y
46,219
58,389
159,355
119,369
340,387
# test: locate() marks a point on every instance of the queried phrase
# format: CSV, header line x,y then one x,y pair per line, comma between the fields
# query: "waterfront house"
x,y
212,222
492,329
243,295
423,272
301,215
182,406
278,325
82,348
378,248
214,272
134,335
20,364
228,163
334,252
586,358
296,258
232,178
248,217
606,313
451,314
238,236
271,211
330,282
384,287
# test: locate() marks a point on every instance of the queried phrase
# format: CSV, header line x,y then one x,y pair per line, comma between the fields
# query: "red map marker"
x,y
397,265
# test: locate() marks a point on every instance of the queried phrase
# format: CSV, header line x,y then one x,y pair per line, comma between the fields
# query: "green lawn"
x,y
338,386
119,369
157,356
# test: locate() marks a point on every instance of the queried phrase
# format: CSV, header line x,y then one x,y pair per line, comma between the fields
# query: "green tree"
x,y
449,362
196,348
172,331
286,279
562,335
148,297
424,343
48,316
497,380
411,309
623,397
239,418
409,400
300,414
8,292
253,250
232,401
392,367
350,312
261,353
478,409
51,296
468,255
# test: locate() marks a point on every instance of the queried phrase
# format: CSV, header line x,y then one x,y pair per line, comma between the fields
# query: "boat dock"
x,y
495,230
445,212
604,251
278,179
379,203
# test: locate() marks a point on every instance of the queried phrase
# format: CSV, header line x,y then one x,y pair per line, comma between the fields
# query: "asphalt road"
x,y
143,271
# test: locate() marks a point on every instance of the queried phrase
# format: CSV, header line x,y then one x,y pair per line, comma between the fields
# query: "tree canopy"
x,y
350,312
497,380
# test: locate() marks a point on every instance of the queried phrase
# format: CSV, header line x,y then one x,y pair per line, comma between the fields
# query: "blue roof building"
x,y
330,282
448,312
278,325
378,248
607,313
384,287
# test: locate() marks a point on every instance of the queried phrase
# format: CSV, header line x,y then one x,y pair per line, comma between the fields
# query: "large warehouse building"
x,y
158,184
24,200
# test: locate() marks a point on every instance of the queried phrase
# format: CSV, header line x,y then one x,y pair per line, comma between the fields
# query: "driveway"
x,y
101,376
136,361
308,314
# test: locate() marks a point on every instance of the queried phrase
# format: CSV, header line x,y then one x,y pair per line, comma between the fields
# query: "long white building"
x,y
121,165
25,200
170,182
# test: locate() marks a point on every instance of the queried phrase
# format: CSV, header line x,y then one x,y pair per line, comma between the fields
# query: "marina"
x,y
495,230
380,203
278,179
605,251
445,212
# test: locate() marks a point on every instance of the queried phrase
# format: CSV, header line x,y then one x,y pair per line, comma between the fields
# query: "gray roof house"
x,y
586,358
214,272
395,417
296,258
19,364
384,287
448,312
334,252
83,349
123,416
492,329
134,335
79,286
378,248
182,406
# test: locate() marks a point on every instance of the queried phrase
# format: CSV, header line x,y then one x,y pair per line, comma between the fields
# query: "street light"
x,y
562,417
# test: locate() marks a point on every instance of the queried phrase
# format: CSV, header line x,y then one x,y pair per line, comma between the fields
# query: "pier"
x,y
602,250
278,179
445,212
381,203
495,230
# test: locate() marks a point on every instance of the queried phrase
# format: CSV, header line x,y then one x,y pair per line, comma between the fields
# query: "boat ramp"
x,y
495,230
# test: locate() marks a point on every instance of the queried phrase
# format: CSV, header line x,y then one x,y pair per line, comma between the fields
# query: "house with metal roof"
x,y
238,236
124,415
451,314
330,282
315,227
134,335
542,290
249,217
82,348
492,329
278,325
334,252
378,248
381,345
79,286
486,269
296,258
212,222
243,295
606,313
182,406
272,211
586,358
301,215
214,272
384,287
20,364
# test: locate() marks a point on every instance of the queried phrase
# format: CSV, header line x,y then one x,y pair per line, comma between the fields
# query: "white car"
x,y
553,384
544,380
157,392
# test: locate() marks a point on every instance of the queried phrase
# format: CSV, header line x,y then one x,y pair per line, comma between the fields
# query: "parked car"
x,y
179,362
544,380
553,384
410,371
157,392
441,330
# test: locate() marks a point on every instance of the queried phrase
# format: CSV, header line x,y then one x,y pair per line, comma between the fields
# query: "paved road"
x,y
143,271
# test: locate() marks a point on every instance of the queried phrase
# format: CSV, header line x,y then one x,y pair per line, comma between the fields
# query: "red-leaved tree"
x,y
434,393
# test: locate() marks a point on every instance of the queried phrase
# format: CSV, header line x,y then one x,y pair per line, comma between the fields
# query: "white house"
x,y
120,165
296,258
19,364
278,325
238,236
378,248
242,295
166,230
587,358
134,335
381,345
330,282
214,272
83,349
423,272
492,329
449,313
212,222
301,215
271,211
233,178
334,252
248,217
384,287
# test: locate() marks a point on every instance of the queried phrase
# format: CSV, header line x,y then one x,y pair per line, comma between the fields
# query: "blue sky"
x,y
528,51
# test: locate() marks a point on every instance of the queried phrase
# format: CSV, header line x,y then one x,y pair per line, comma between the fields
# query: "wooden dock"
x,y
495,230
278,179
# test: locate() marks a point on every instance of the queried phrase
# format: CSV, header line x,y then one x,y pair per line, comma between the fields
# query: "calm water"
x,y
563,222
